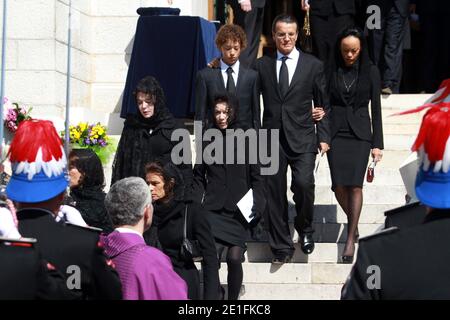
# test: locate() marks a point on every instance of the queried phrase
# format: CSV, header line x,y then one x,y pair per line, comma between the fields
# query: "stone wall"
x,y
102,41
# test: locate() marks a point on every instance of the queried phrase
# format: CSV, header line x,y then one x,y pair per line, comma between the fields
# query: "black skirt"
x,y
229,227
348,158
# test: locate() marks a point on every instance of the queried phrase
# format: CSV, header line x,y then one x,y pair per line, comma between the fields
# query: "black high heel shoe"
x,y
347,259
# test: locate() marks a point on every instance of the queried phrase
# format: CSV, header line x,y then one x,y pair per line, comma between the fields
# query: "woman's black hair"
x,y
89,165
363,58
172,177
232,103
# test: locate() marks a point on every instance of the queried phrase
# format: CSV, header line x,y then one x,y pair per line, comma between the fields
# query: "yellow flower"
x,y
83,126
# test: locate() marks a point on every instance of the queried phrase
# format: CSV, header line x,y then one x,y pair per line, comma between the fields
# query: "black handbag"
x,y
190,249
305,35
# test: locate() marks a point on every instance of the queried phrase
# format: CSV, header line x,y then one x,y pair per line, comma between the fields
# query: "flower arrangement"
x,y
92,136
14,115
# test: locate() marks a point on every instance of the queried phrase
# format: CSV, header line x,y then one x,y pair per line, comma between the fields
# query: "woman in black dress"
x,y
146,136
86,188
170,205
220,186
354,83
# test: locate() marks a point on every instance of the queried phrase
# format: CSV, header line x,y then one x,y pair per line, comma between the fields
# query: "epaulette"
x,y
88,228
382,232
402,208
22,242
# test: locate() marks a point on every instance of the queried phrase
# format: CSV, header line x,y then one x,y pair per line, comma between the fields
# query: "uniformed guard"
x,y
37,185
25,276
413,262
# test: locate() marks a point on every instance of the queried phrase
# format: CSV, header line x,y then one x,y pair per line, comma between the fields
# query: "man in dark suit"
x,y
329,18
37,186
230,76
386,43
249,14
412,262
289,83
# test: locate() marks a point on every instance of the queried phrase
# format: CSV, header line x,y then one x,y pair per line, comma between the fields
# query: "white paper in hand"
x,y
245,205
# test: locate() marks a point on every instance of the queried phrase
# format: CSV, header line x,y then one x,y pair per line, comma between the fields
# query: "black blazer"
x,y
210,83
385,5
65,245
221,186
413,263
294,110
325,7
368,90
255,3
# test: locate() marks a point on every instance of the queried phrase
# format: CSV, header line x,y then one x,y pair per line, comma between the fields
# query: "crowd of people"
x,y
142,239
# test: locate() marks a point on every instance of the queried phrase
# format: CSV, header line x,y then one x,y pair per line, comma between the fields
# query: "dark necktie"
x,y
231,87
283,81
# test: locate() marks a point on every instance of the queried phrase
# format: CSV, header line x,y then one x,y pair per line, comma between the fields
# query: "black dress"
x,y
349,153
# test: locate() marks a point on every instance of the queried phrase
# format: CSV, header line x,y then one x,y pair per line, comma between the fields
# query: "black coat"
x,y
141,144
368,89
170,235
67,245
325,7
221,186
89,201
293,112
413,263
25,276
210,83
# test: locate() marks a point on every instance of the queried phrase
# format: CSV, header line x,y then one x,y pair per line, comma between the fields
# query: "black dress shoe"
x,y
347,259
307,243
281,259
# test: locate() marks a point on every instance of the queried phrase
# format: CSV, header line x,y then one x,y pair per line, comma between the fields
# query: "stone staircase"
x,y
319,275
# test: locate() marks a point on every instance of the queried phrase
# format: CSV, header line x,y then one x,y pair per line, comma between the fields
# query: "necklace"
x,y
347,87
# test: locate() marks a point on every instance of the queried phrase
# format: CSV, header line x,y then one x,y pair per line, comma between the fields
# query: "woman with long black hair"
x,y
354,83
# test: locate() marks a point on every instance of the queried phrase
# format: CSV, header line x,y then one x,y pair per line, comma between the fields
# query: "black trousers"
x,y
325,32
386,48
252,23
302,186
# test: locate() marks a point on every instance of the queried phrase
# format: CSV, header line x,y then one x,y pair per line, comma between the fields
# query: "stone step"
x,y
291,292
333,213
403,101
401,128
290,273
383,176
323,253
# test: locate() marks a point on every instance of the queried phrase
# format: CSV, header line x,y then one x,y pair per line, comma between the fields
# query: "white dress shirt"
x,y
126,230
223,69
291,63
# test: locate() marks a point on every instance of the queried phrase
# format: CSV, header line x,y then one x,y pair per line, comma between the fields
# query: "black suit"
x,y
252,23
386,43
67,245
25,276
329,18
413,263
210,83
292,115
358,116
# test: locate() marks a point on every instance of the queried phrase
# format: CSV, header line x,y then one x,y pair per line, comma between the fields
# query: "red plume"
x,y
32,135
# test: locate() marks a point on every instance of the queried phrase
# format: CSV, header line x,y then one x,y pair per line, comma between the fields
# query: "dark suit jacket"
x,y
385,5
413,263
210,83
293,112
358,116
66,245
325,7
255,3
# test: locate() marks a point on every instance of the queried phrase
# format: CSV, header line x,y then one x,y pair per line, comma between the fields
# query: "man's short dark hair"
x,y
286,18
